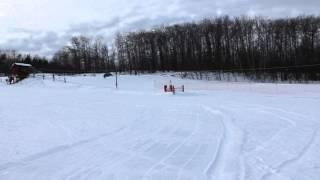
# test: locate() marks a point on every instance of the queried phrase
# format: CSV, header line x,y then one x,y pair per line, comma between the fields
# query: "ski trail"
x,y
211,167
278,170
284,143
149,171
229,163
191,157
291,124
56,150
186,163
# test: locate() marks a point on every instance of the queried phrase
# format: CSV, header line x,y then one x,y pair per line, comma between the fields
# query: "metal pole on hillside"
x,y
116,79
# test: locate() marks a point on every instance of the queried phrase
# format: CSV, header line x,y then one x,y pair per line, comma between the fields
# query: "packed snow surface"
x,y
87,129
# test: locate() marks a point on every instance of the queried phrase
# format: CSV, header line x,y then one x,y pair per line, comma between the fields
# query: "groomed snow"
x,y
86,129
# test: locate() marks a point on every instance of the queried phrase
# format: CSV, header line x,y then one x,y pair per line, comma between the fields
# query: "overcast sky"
x,y
43,26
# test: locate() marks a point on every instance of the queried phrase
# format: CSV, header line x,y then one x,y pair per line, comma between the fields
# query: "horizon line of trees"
x,y
257,48
254,47
85,55
8,57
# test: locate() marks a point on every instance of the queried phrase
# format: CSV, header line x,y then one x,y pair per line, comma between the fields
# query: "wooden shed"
x,y
21,70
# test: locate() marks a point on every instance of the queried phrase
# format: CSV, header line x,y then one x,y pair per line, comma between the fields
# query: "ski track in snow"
x,y
152,136
296,122
228,163
123,132
147,174
55,150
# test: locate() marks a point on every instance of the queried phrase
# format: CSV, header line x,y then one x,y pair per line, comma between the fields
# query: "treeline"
x,y
85,55
7,58
258,48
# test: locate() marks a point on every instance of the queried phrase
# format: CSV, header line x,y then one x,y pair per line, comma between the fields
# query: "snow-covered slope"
x,y
86,129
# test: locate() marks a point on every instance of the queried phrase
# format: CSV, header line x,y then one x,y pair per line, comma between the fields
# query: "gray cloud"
x,y
44,44
94,27
52,31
